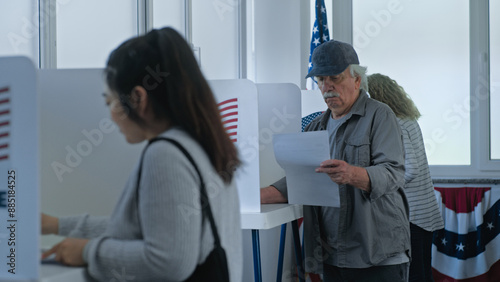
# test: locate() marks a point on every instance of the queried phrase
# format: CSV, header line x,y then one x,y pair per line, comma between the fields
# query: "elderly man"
x,y
368,237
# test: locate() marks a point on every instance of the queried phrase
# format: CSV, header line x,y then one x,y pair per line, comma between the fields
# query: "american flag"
x,y
320,34
467,249
229,114
4,123
307,119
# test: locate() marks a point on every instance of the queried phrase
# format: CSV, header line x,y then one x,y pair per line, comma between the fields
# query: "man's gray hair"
x,y
360,71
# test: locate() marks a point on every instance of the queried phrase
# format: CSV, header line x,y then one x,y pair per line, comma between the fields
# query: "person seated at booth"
x,y
158,230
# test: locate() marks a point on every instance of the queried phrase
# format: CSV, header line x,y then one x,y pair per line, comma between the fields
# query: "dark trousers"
x,y
384,273
421,245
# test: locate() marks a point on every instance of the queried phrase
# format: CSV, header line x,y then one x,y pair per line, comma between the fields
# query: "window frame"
x,y
47,51
481,165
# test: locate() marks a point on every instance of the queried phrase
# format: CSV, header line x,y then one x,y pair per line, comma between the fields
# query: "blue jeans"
x,y
383,273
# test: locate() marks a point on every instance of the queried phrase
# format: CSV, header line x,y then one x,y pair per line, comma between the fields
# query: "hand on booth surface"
x,y
68,252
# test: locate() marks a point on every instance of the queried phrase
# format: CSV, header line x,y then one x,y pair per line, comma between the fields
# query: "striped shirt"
x,y
419,188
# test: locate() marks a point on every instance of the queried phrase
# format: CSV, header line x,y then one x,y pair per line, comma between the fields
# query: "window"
x,y
19,29
405,40
169,13
215,32
82,34
87,31
494,79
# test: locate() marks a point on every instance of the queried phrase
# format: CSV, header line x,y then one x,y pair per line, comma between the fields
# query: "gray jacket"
x,y
373,226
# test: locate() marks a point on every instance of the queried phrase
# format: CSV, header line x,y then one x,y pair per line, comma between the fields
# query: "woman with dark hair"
x,y
157,231
419,189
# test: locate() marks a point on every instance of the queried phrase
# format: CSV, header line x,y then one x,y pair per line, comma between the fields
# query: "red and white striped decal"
x,y
229,114
5,117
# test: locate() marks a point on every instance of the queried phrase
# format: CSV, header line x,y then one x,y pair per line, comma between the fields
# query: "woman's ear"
x,y
139,100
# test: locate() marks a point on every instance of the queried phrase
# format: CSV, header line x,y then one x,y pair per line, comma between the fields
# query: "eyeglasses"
x,y
334,78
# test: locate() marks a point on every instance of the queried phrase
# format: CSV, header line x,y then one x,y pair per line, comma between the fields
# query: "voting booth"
x,y
85,158
252,114
19,177
61,154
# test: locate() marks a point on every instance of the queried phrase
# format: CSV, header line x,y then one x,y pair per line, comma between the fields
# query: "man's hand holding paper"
x,y
341,172
299,154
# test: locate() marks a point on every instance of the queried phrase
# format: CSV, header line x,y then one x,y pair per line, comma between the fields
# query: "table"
x,y
53,272
272,215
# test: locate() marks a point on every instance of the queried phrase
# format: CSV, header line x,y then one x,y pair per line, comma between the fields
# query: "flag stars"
x,y
490,226
320,34
460,247
443,241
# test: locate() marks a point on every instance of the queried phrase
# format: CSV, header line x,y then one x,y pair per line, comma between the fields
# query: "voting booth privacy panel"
x,y
252,114
84,156
279,112
19,179
238,103
85,159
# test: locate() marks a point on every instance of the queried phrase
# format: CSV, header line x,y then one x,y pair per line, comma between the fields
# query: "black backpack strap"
x,y
204,201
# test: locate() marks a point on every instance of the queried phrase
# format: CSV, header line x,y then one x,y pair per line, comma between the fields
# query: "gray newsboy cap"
x,y
332,58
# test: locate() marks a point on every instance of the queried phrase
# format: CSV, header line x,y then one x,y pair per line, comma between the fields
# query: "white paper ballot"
x,y
299,154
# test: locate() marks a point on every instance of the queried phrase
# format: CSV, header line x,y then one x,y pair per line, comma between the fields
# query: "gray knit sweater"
x,y
168,241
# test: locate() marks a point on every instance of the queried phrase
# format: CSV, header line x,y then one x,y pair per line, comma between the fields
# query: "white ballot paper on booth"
x,y
299,154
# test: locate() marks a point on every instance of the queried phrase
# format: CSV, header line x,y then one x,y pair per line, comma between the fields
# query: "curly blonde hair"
x,y
388,91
